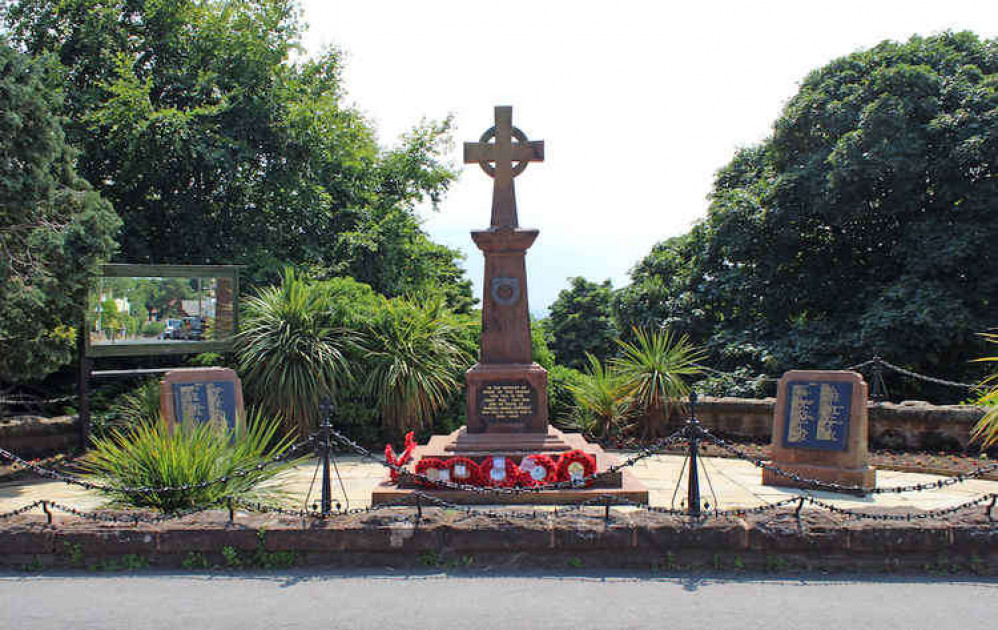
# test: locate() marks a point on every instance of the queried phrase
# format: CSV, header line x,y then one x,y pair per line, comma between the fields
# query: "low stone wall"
x,y
818,541
914,425
35,436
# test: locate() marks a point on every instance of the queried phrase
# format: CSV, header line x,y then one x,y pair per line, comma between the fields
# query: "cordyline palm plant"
x,y
413,361
602,403
290,357
150,455
652,371
986,430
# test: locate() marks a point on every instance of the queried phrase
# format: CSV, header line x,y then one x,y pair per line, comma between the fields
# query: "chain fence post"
x,y
693,435
324,446
878,377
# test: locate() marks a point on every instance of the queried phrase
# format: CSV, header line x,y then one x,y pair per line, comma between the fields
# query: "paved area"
x,y
735,483
484,601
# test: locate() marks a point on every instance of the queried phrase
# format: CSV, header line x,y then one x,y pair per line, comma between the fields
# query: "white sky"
x,y
639,103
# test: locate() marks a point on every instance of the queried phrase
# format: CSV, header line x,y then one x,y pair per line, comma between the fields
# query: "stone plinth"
x,y
820,429
507,398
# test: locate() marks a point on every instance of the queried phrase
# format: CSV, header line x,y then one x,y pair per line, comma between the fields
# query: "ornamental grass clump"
x,y
150,455
986,429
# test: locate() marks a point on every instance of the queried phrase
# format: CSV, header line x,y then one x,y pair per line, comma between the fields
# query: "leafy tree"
x,y
581,322
54,230
864,225
215,147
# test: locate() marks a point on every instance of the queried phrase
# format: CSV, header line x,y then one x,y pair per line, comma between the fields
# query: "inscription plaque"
x,y
211,396
818,415
211,402
506,402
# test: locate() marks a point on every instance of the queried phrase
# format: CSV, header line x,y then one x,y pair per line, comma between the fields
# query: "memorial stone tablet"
x,y
203,396
820,429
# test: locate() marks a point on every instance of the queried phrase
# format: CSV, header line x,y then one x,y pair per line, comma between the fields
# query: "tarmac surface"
x,y
475,599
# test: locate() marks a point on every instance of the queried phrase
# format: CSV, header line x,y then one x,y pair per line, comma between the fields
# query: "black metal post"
x,y
878,369
83,386
693,435
324,446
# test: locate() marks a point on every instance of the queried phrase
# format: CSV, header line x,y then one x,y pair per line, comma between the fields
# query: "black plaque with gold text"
x,y
506,402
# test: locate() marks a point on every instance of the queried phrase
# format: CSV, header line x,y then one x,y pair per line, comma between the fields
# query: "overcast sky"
x,y
639,103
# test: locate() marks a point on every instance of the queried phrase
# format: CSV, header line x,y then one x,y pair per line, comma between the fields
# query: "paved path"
x,y
379,601
736,483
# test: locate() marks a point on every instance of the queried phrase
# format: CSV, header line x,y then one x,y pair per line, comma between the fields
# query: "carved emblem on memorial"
x,y
820,429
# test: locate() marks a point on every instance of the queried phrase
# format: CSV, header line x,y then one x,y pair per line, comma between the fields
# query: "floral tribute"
x,y
464,470
536,470
433,469
498,470
575,466
404,458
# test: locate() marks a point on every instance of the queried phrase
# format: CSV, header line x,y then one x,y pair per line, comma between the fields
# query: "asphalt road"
x,y
387,601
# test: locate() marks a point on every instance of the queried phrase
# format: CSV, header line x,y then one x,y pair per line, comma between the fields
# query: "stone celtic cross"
x,y
497,159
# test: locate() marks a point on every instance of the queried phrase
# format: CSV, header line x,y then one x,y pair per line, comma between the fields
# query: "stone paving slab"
x,y
735,484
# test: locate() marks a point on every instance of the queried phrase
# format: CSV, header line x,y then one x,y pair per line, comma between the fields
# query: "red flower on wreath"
x,y
464,470
572,463
499,471
431,467
536,470
403,459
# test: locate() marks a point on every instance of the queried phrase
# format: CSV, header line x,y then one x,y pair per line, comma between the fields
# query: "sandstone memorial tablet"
x,y
820,429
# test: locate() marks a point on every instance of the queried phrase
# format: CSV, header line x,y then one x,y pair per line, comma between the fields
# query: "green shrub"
x,y
151,329
413,357
290,356
986,430
560,399
151,455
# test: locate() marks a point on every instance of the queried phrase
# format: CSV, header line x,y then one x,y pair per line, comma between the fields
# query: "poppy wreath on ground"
x,y
536,470
433,469
472,472
403,459
490,475
571,462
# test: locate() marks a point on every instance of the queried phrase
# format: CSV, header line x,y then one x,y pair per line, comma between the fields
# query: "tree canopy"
x,y
54,229
218,142
581,323
864,225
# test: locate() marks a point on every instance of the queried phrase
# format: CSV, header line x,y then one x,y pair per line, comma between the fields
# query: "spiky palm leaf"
x,y
602,402
290,358
653,371
150,455
986,430
413,361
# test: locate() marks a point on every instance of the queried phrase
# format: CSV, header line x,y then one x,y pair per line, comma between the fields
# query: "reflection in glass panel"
x,y
141,310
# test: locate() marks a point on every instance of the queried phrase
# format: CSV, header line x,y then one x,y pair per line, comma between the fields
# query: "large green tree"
x,y
864,225
217,142
54,230
581,322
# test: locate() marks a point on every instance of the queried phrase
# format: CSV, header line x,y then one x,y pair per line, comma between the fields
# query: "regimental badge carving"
x,y
505,291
